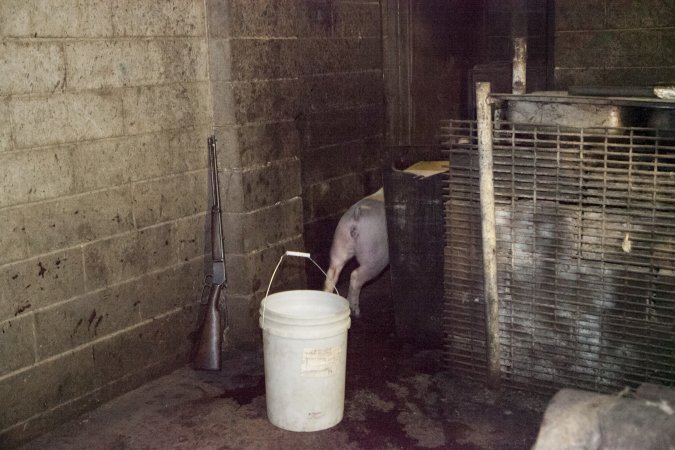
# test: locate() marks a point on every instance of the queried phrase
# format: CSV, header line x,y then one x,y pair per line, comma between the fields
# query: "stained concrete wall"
x,y
298,111
104,110
614,42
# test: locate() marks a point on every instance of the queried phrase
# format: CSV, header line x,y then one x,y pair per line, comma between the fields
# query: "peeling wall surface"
x,y
104,111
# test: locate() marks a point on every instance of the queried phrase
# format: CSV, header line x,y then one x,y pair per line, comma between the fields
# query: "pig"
x,y
361,232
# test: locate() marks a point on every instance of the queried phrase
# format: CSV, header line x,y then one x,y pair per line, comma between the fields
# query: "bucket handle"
x,y
290,253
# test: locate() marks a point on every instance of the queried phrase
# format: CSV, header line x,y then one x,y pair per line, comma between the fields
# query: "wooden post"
x,y
519,85
487,205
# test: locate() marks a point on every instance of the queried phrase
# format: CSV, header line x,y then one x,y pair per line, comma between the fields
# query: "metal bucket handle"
x,y
290,253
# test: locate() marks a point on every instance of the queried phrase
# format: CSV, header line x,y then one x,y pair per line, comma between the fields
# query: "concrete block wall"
x,y
614,42
104,111
342,117
105,107
300,87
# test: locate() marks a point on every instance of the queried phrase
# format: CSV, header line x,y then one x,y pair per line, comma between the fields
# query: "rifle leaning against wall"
x,y
209,335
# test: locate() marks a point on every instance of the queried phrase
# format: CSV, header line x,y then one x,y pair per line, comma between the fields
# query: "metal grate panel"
x,y
585,231
464,312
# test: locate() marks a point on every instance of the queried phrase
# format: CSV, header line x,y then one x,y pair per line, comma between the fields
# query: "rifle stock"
x,y
209,337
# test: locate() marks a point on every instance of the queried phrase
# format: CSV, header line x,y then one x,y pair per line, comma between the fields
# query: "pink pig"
x,y
361,232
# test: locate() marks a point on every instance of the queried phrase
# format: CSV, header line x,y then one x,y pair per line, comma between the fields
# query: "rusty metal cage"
x,y
585,228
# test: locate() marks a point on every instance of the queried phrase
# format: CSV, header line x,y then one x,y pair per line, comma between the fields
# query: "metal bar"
x,y
487,202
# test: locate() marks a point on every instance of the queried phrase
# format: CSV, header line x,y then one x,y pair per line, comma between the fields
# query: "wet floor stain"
x,y
244,395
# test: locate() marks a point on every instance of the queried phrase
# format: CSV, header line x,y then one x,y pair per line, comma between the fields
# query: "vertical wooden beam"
x,y
487,204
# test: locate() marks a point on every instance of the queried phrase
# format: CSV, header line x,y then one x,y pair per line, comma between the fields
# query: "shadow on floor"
x,y
397,397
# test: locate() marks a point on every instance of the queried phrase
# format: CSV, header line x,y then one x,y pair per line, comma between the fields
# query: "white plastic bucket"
x,y
305,353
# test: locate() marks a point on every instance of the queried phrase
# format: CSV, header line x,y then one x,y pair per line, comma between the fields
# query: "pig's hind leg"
x,y
360,276
341,251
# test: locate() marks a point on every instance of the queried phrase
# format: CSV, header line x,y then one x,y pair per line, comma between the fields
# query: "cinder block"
x,y
218,17
331,162
86,318
667,50
31,67
63,118
639,47
220,59
186,150
340,91
168,18
257,229
108,162
17,346
231,191
191,237
176,287
42,18
361,20
334,127
35,175
117,63
47,420
636,14
5,126
323,199
264,59
165,107
271,183
120,258
165,339
252,272
117,161
321,56
262,143
569,16
38,282
263,18
243,330
44,227
163,199
268,101
223,103
227,141
123,257
45,385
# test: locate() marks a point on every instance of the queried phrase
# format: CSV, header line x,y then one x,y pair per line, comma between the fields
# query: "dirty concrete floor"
x,y
397,397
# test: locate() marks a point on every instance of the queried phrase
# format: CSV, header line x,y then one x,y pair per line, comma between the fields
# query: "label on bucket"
x,y
320,362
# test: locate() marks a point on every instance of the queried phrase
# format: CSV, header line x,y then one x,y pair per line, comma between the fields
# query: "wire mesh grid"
x,y
585,256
